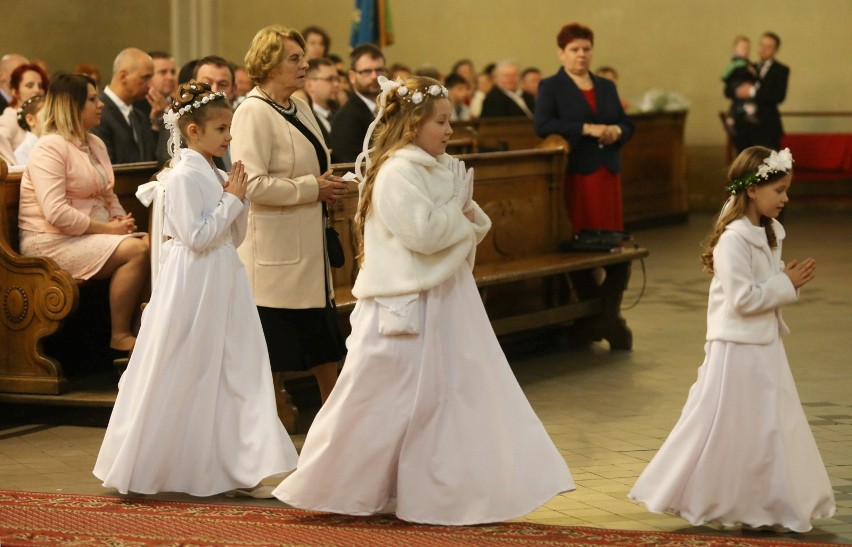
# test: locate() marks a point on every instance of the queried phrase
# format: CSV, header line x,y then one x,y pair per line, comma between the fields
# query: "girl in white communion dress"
x,y
426,419
742,451
196,411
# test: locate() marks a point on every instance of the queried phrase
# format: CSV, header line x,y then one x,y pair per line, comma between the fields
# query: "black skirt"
x,y
300,339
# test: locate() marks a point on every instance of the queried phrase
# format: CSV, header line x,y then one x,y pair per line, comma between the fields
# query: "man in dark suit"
x,y
322,84
767,93
350,124
125,129
506,98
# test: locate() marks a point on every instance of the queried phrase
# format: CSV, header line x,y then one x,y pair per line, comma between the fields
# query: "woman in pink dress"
x,y
69,212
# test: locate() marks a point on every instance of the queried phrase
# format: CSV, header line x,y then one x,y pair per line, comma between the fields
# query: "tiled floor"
x,y
608,412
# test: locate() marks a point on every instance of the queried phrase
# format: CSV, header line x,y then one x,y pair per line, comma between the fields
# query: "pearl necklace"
x,y
289,110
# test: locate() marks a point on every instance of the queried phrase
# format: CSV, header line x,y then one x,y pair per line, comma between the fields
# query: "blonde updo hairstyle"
x,y
747,163
267,50
397,128
188,94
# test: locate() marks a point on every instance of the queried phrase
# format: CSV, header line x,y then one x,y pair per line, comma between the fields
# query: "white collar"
x,y
755,235
325,112
125,109
371,104
415,154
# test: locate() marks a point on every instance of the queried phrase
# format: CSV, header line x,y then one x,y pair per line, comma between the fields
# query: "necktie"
x,y
137,136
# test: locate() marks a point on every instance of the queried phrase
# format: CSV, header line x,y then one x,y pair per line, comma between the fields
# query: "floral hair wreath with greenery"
x,y
777,162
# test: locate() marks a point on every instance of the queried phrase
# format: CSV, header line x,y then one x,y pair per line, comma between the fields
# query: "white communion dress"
x,y
432,425
742,451
196,411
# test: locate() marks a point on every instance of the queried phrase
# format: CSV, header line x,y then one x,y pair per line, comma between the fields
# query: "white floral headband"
x,y
414,96
171,117
777,162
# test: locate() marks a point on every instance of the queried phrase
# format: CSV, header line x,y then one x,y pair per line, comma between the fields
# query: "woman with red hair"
x,y
585,109
26,81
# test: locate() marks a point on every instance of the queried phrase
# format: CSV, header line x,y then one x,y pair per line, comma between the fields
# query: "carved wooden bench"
x,y
37,295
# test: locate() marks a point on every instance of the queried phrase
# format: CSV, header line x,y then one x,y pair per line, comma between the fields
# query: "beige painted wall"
x,y
66,32
679,45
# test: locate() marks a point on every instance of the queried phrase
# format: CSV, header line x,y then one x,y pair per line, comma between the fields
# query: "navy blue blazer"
x,y
562,109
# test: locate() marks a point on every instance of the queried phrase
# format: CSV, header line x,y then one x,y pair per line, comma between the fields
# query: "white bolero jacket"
x,y
416,235
749,286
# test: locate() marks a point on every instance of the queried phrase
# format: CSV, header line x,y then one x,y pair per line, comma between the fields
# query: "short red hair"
x,y
18,75
574,31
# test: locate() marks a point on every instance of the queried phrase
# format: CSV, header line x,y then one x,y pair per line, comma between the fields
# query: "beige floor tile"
x,y
607,412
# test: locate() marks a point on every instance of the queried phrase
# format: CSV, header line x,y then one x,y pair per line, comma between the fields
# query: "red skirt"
x,y
594,201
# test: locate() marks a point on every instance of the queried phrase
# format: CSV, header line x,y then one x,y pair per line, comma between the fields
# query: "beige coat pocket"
x,y
399,314
276,239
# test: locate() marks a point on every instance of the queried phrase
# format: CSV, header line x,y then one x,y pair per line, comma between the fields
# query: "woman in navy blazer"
x,y
586,110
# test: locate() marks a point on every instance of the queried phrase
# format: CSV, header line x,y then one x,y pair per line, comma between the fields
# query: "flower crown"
x,y
171,117
189,107
777,162
21,114
415,96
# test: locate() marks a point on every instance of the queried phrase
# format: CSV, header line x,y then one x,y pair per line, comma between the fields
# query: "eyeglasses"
x,y
329,79
367,71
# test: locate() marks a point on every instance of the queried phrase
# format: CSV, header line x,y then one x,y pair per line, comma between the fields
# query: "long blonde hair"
x,y
398,127
736,205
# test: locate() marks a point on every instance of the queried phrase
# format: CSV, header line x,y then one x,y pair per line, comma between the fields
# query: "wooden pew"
x,y
653,176
37,295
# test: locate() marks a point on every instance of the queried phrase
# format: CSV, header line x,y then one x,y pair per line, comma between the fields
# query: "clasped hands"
x,y
121,224
605,134
800,272
463,184
331,187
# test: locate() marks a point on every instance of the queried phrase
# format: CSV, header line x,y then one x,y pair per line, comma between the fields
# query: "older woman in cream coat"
x,y
279,141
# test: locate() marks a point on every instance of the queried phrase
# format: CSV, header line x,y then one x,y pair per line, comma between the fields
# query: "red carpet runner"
x,y
28,518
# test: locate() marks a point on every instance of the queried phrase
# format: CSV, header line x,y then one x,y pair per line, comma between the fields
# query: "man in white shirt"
x,y
322,85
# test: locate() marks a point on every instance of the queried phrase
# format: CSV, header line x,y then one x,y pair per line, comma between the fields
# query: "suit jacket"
x,y
60,186
283,252
3,103
499,105
118,135
771,92
562,109
348,128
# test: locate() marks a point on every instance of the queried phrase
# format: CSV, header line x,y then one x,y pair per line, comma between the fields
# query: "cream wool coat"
x,y
749,286
284,250
415,236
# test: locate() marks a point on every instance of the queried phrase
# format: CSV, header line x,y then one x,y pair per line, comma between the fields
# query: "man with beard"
x,y
349,126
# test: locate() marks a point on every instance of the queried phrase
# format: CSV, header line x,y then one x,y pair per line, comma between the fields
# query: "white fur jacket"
x,y
749,286
416,235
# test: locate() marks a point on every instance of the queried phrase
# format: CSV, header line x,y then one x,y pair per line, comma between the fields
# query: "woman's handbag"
x,y
336,258
595,241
